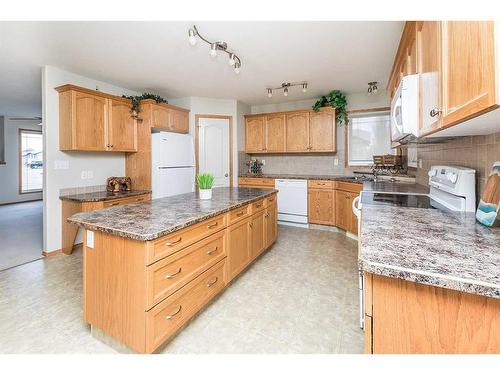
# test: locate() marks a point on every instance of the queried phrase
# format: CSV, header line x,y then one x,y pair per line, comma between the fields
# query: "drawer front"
x,y
119,202
270,200
166,318
239,214
170,273
256,181
321,184
171,243
258,206
349,186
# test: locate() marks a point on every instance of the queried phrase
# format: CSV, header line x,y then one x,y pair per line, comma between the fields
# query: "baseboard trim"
x,y
59,251
26,201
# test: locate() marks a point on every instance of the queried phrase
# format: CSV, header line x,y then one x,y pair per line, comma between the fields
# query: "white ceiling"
x,y
156,57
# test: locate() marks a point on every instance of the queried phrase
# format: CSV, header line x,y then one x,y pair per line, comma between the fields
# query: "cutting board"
x,y
489,205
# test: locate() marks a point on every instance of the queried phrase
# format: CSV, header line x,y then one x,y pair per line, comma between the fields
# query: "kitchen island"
x,y
431,281
149,267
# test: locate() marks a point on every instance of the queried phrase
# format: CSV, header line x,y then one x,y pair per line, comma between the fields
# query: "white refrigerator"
x,y
173,164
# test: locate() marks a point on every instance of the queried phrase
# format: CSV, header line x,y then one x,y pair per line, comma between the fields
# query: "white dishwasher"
x,y
292,201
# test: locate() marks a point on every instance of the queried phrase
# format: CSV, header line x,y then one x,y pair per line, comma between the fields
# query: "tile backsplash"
x,y
477,152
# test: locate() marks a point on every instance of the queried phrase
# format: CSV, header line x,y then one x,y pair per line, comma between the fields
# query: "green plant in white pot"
x,y
205,182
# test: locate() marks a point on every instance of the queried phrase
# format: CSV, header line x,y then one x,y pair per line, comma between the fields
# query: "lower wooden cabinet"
x,y
258,231
256,182
321,206
239,241
271,223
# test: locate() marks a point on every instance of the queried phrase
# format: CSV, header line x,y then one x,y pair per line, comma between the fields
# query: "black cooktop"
x,y
402,200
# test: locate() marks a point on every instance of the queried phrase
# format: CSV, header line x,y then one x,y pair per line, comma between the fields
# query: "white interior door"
x,y
213,135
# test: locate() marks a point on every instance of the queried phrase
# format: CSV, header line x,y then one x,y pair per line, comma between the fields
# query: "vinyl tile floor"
x,y
20,223
301,296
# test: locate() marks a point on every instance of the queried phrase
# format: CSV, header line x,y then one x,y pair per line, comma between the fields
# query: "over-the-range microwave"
x,y
404,110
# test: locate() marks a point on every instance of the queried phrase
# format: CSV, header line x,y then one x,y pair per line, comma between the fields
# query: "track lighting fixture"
x,y
234,60
286,88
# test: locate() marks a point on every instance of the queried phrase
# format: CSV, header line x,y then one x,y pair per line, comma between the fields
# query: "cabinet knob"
x,y
435,112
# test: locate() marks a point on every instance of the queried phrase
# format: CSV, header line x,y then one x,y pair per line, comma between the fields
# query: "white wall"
x,y
9,172
102,164
225,107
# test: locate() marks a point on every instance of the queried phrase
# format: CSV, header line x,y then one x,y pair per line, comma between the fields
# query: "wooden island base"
x,y
403,317
142,292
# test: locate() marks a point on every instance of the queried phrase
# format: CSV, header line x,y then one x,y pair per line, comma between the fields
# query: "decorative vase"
x,y
205,193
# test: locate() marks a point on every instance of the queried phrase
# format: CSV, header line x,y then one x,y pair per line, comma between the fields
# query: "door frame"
x,y
20,161
197,141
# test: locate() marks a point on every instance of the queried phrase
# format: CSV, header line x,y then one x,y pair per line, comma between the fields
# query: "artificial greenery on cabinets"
x,y
136,101
337,100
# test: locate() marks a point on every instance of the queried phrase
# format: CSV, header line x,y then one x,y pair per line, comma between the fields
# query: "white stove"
x,y
453,187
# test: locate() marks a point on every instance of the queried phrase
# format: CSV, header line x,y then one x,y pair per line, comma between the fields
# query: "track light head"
x,y
237,67
269,93
192,37
285,91
304,87
213,50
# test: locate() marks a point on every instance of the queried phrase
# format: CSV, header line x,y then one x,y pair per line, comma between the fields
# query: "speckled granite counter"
x,y
149,220
305,177
395,187
98,196
432,247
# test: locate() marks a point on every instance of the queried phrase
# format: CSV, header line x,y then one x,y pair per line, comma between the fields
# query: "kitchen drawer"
x,y
169,274
178,240
120,201
239,214
167,317
258,206
270,200
321,184
257,181
349,186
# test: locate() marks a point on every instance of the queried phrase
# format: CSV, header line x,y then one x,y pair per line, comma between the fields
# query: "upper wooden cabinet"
x,y
166,117
291,132
458,73
93,121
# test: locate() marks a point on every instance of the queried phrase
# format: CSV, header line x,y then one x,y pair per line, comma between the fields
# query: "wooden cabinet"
x,y
271,223
297,132
239,241
343,209
257,229
321,132
166,117
275,133
254,134
256,182
93,121
291,132
321,206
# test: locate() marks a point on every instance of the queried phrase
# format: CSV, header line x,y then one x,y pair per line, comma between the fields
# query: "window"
x,y
30,161
367,135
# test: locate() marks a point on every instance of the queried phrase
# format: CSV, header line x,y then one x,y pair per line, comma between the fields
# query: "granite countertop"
x,y
148,220
395,187
98,196
305,177
430,246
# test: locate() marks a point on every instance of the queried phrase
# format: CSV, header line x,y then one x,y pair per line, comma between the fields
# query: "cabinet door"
x,y
122,130
161,117
321,206
254,134
257,228
271,217
469,62
275,133
322,131
342,209
239,247
297,132
429,67
180,121
90,122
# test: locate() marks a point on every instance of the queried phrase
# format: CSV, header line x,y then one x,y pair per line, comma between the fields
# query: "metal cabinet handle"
x,y
266,215
168,317
240,213
212,226
210,252
251,225
435,112
114,204
139,199
173,274
210,283
174,242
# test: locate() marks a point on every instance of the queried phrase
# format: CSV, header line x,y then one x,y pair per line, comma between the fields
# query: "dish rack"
x,y
388,164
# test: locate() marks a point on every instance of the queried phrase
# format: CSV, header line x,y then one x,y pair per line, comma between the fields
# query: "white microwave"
x,y
404,109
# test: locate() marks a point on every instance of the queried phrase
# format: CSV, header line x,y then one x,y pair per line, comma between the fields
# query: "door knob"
x,y
226,175
435,112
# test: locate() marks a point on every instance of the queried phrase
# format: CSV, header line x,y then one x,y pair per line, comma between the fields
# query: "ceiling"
x,y
156,57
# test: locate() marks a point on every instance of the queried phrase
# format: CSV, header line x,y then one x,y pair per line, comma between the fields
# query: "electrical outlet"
x,y
263,162
83,175
336,161
90,174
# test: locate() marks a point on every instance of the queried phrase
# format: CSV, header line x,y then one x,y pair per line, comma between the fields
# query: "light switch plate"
x,y
61,164
84,175
336,161
90,239
90,174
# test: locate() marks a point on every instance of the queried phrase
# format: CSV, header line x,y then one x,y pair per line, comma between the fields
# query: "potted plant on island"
x,y
205,182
